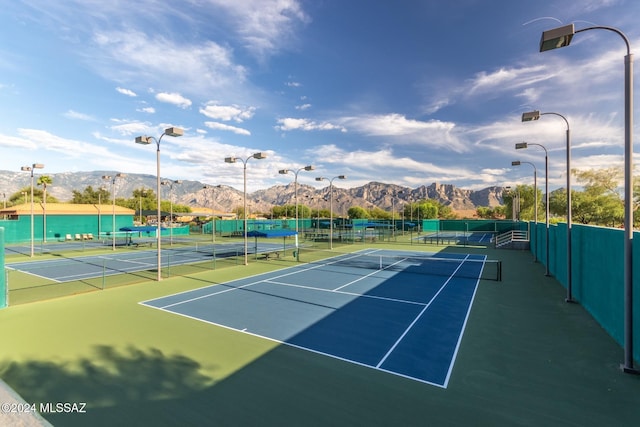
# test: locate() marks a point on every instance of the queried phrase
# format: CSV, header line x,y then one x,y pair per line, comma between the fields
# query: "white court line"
x,y
343,292
244,330
393,347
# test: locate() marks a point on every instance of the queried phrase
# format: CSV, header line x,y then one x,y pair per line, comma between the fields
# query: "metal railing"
x,y
512,236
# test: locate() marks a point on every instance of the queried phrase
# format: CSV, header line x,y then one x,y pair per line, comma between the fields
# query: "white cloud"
x,y
131,128
227,112
303,107
264,25
222,126
149,110
175,99
71,114
17,142
408,131
127,92
133,56
289,124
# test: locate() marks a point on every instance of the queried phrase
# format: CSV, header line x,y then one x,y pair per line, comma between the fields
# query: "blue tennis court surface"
x,y
65,269
394,311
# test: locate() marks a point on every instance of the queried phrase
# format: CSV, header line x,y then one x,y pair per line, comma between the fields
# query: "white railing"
x,y
512,236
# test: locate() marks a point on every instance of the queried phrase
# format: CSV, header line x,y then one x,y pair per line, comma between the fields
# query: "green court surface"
x,y
527,358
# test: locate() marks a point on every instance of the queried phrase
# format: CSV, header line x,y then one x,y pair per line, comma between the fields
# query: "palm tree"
x,y
44,180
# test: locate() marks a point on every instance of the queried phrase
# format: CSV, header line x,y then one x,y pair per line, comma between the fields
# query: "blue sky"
x,y
404,92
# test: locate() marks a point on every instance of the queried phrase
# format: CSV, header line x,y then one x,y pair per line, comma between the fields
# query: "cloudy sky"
x,y
406,92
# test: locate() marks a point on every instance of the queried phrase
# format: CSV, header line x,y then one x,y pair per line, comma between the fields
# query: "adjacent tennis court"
x,y
395,311
70,268
457,237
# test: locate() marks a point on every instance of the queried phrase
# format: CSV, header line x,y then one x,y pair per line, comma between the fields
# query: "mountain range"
x,y
224,198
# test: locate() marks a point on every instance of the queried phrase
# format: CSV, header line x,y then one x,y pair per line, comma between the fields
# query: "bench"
x,y
269,255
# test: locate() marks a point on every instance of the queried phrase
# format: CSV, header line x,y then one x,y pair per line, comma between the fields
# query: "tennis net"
x,y
407,263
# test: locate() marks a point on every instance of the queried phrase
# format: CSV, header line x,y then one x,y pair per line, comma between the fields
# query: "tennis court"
x,y
70,268
457,237
394,311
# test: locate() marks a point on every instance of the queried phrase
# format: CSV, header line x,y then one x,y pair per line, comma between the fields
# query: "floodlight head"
x,y
106,176
557,37
342,177
530,116
38,166
177,181
144,140
25,168
230,159
259,155
520,145
121,175
515,163
309,168
283,171
320,178
174,131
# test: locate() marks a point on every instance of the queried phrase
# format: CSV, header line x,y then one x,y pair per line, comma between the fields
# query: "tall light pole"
x,y
146,140
522,145
560,37
535,197
259,155
100,209
535,115
331,205
30,169
295,188
213,214
170,184
140,193
113,205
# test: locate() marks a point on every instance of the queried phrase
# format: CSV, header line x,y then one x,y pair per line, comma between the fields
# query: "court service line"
x,y
344,292
364,277
406,331
236,287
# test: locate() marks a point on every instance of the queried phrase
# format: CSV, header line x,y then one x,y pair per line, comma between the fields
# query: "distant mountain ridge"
x,y
225,198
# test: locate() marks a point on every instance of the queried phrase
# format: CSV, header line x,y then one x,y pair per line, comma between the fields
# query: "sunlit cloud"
x,y
291,124
127,92
174,98
223,127
227,112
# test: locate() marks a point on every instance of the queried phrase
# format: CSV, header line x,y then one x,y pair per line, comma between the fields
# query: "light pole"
x,y
113,205
331,205
146,140
213,213
170,184
100,209
141,192
519,146
295,188
535,115
560,37
259,155
535,197
30,169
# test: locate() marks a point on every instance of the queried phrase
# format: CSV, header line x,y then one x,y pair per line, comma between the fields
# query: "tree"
x,y
90,196
357,212
45,180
